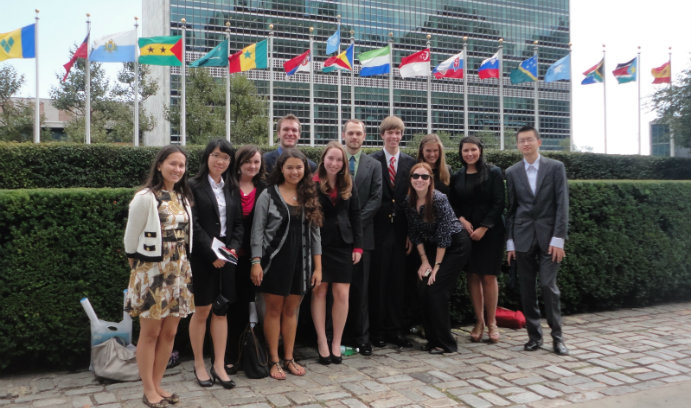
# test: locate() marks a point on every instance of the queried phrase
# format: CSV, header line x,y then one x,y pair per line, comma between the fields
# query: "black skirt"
x,y
337,264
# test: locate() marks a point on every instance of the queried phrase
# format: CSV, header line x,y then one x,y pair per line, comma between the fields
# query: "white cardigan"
x,y
143,232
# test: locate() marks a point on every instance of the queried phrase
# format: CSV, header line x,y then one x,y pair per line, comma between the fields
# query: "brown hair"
x,y
428,215
391,122
154,180
357,122
306,189
289,116
344,182
242,156
440,165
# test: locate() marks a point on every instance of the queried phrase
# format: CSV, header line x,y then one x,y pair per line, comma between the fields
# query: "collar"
x,y
356,155
214,184
535,164
389,156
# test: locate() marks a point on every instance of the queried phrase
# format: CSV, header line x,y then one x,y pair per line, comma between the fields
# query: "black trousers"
x,y
357,324
435,298
531,264
387,282
238,313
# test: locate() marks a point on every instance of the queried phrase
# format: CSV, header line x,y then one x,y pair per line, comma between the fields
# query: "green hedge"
x,y
629,245
61,165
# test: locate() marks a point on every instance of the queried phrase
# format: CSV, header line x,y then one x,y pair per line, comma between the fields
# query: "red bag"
x,y
509,319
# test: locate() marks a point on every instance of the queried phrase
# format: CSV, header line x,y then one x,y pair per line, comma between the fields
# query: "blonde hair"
x,y
440,165
344,182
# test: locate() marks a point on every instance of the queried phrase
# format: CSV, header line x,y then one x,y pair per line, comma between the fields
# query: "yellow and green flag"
x,y
162,50
251,57
20,43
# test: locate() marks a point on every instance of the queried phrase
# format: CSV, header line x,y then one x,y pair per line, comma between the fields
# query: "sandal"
x,y
493,332
293,367
476,333
277,374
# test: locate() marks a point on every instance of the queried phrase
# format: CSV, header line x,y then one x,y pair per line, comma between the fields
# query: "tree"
x,y
206,107
16,116
673,106
123,95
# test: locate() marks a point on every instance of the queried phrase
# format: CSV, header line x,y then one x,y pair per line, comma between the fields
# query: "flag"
x,y
526,71
342,61
80,53
489,67
626,72
301,63
594,74
251,57
375,62
119,47
452,67
560,70
163,50
20,43
415,65
217,57
333,42
663,73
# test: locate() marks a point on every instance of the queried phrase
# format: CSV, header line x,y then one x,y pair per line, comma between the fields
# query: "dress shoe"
x,y
160,404
401,341
203,383
324,360
172,398
532,345
365,349
560,348
378,342
226,384
336,359
437,350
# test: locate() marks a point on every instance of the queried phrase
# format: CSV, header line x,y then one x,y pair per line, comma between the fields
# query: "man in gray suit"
x,y
367,181
536,226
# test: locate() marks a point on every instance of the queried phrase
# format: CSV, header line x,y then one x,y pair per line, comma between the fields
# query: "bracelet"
x,y
255,261
437,264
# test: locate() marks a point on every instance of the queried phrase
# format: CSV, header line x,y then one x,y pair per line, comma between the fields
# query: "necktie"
x,y
392,170
352,165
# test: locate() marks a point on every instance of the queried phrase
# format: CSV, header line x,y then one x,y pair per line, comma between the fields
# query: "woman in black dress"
x,y
440,240
286,253
341,235
477,197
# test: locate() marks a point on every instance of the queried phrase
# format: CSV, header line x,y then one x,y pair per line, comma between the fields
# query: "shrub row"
x,y
24,165
628,246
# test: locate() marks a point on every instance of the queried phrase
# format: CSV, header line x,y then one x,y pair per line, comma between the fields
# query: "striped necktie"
x,y
392,170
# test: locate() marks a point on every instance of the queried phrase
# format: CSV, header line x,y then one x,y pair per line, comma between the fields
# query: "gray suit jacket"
x,y
367,182
542,215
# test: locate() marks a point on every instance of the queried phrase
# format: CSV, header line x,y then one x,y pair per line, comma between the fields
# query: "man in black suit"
x,y
387,280
288,134
367,181
536,226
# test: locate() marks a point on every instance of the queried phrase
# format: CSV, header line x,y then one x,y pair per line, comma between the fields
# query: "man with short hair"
x,y
367,181
387,280
536,226
288,134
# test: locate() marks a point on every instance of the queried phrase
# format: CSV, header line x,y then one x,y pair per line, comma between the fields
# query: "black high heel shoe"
x,y
226,384
336,359
324,360
203,383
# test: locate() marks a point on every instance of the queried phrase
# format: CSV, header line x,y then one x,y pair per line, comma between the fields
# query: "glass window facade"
x,y
519,23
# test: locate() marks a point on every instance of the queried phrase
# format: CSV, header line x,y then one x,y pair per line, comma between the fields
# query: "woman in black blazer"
x,y
477,197
341,235
216,215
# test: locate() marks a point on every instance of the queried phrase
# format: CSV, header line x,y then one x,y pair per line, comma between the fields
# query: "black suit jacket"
x,y
367,182
207,222
482,205
393,200
341,221
271,157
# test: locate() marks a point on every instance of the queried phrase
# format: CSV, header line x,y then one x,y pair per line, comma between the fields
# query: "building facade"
x,y
483,22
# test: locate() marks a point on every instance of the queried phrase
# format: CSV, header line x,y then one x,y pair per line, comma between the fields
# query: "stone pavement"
x,y
624,358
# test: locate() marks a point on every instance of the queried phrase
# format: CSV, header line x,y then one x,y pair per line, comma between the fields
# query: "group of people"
x,y
354,223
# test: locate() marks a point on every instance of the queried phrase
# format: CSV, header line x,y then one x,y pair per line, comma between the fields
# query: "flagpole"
x,y
87,84
37,107
390,73
136,90
352,81
271,85
183,101
535,86
339,77
572,144
671,134
604,93
429,89
638,79
501,94
465,85
312,86
228,83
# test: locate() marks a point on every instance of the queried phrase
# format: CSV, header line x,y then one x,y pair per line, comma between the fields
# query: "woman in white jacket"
x,y
158,239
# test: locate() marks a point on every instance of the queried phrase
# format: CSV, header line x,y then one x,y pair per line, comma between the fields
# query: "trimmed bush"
x,y
629,245
61,165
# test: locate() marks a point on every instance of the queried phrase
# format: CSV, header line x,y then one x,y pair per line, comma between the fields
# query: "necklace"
x,y
285,195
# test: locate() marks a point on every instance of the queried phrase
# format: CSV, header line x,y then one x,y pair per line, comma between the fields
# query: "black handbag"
x,y
221,303
252,357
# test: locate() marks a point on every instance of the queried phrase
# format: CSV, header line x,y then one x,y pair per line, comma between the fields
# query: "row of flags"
x,y
627,72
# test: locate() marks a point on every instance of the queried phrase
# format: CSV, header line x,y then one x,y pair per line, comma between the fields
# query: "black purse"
x,y
252,357
221,303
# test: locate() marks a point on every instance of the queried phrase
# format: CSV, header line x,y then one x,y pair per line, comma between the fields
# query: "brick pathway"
x,y
616,353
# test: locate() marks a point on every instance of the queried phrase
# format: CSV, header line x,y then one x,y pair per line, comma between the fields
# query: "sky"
x,y
621,25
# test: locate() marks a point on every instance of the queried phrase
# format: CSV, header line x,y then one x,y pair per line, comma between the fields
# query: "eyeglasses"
x,y
416,176
222,157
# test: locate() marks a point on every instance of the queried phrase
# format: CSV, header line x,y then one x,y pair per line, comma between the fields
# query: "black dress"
x,y
285,275
341,231
479,198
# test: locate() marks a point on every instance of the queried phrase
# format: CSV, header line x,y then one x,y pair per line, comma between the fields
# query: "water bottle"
x,y
349,351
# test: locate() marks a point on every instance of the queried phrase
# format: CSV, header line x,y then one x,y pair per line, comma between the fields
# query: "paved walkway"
x,y
625,358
